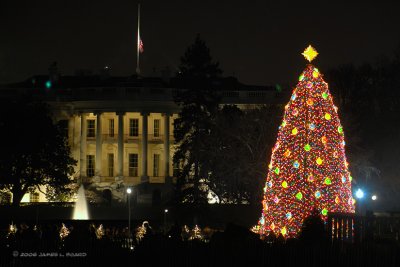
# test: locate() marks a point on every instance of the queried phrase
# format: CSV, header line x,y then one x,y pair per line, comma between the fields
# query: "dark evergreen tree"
x,y
199,104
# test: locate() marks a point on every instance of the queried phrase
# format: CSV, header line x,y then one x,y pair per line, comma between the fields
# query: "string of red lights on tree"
x,y
308,170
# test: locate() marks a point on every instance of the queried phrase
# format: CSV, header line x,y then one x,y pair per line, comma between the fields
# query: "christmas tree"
x,y
308,171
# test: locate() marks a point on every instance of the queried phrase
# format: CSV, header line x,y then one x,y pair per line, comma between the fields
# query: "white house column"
x,y
121,144
145,177
99,144
82,158
166,147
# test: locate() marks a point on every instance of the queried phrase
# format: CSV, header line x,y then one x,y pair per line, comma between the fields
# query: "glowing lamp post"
x,y
165,221
129,191
359,193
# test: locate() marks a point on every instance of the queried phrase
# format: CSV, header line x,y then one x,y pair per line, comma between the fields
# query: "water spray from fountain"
x,y
81,209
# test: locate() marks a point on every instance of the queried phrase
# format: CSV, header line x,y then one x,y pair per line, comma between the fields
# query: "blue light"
x,y
296,164
359,193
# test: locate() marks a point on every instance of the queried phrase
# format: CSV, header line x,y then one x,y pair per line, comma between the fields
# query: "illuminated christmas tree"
x,y
308,170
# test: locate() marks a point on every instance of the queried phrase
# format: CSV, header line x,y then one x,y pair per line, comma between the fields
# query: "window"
x,y
111,127
34,197
156,165
63,126
157,128
91,128
90,165
133,165
134,127
111,164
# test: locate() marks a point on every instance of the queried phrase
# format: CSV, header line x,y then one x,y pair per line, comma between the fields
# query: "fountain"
x,y
81,210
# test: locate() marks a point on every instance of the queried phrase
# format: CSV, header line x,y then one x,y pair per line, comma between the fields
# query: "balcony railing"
x,y
155,138
110,137
91,137
157,179
129,138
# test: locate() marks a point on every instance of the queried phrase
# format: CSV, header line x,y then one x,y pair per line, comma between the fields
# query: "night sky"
x,y
257,41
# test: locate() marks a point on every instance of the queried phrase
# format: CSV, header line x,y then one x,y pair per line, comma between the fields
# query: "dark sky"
x,y
259,41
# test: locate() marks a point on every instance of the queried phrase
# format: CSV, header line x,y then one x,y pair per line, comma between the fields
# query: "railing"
x,y
157,179
130,138
346,227
342,227
107,179
153,137
90,138
109,137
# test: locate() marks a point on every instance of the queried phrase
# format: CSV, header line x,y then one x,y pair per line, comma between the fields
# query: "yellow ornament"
x,y
327,116
319,161
337,200
294,131
315,74
283,231
287,153
310,53
284,184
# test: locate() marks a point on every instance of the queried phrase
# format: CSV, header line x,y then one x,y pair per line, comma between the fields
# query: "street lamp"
x,y
374,197
359,193
165,221
129,191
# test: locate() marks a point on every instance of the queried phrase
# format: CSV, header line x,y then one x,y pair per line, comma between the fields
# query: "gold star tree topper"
x,y
310,53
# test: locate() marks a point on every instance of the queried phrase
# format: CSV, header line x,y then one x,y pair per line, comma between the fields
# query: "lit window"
x,y
133,127
111,165
133,165
34,197
91,128
156,165
90,165
157,128
111,127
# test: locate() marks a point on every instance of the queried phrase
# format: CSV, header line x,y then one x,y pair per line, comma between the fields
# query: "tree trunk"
x,y
18,194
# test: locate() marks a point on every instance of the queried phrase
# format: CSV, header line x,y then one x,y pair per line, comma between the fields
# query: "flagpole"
x,y
138,43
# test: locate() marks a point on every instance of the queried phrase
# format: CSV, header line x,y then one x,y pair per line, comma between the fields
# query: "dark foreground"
x,y
234,247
